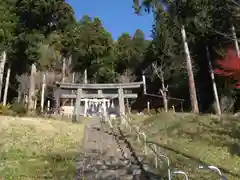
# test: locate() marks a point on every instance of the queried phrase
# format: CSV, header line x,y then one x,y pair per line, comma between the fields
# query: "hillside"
x,y
190,141
38,148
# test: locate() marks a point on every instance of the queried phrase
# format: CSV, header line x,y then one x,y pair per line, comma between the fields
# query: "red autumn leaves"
x,y
229,66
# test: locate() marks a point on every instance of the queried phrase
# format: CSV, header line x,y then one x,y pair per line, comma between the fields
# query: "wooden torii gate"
x,y
80,91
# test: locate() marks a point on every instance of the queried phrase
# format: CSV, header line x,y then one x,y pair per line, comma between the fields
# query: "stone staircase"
x,y
106,158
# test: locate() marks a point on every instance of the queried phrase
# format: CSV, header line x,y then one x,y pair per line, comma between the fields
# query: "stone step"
x,y
103,157
114,168
120,175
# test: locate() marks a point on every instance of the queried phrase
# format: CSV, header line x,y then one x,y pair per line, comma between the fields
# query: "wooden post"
x,y
19,95
76,117
6,87
85,76
181,106
173,108
148,107
73,80
121,101
48,106
43,92
100,92
85,107
145,90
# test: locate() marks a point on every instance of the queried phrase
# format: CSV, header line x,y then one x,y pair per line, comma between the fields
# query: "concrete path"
x,y
107,156
103,159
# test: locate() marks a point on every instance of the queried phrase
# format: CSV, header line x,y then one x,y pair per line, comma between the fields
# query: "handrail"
x,y
154,150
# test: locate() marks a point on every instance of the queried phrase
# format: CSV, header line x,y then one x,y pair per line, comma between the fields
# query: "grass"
x,y
190,140
32,148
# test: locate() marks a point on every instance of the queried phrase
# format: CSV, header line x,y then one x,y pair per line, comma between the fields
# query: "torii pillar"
x,y
76,116
121,101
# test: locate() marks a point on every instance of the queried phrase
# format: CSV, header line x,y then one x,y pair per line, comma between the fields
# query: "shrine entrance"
x,y
92,99
96,106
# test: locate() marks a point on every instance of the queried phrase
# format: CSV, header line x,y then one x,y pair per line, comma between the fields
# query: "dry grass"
x,y
191,140
34,148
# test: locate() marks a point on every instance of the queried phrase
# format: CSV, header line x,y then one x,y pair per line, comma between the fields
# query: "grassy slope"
x,y
192,140
38,148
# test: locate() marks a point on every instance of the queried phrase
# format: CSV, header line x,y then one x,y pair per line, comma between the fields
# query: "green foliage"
x,y
19,109
46,31
93,47
5,110
51,16
7,26
15,109
130,54
49,58
207,23
140,44
124,51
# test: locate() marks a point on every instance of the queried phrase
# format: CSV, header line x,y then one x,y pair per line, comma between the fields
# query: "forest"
x,y
192,61
191,65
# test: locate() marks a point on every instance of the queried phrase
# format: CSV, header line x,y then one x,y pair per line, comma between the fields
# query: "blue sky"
x,y
117,15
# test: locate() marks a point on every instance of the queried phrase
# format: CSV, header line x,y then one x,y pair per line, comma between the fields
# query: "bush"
x,y
19,109
5,110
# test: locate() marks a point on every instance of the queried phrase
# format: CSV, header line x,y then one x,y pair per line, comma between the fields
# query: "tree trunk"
x,y
26,97
6,87
35,103
43,92
164,97
235,41
164,92
64,69
214,84
19,95
163,89
31,96
192,89
144,84
165,103
2,65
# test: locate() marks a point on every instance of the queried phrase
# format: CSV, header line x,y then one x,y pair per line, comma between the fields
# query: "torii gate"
x,y
81,93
